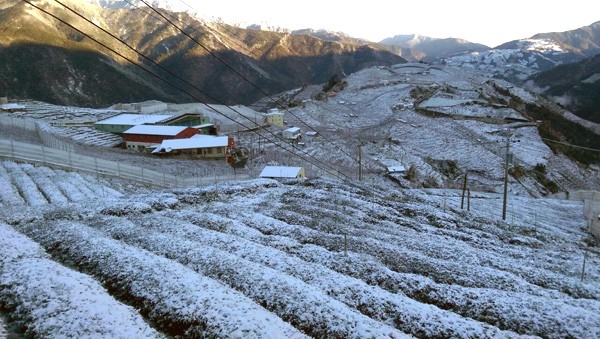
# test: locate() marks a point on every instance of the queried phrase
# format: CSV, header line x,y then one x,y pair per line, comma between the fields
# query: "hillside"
x,y
575,86
319,258
584,40
67,72
444,121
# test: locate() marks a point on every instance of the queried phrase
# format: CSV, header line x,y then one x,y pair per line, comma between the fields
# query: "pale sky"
x,y
486,22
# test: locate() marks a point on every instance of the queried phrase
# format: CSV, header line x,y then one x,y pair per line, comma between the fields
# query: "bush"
x,y
517,172
411,174
541,168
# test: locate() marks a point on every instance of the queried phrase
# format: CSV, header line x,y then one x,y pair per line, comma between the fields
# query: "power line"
x,y
571,145
233,70
237,35
163,79
186,82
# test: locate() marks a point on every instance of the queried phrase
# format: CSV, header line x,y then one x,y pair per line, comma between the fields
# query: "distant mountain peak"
x,y
407,40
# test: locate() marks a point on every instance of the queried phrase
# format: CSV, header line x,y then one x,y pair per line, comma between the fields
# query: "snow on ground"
x,y
322,258
332,259
51,300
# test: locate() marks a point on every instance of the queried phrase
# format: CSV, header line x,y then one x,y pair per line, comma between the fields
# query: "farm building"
x,y
282,172
292,133
11,108
142,137
122,122
186,119
198,146
274,118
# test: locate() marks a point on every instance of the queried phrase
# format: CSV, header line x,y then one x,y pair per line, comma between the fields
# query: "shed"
x,y
142,137
279,172
199,146
292,133
122,122
396,169
12,108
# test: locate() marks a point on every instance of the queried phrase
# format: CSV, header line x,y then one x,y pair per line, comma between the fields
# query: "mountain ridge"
x,y
270,61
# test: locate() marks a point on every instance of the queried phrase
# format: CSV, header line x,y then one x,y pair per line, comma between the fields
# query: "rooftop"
x,y
155,130
280,172
134,119
197,141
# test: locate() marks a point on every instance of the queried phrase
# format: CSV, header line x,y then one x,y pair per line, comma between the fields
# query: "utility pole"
x,y
360,162
506,160
462,200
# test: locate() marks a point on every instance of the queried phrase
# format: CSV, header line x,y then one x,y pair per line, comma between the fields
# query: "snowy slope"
x,y
515,61
325,258
423,115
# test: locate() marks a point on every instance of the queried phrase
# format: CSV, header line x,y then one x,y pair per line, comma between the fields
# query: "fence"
x,y
71,161
46,133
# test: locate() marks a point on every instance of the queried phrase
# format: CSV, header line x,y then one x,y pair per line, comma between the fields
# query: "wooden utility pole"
x,y
462,201
360,162
506,158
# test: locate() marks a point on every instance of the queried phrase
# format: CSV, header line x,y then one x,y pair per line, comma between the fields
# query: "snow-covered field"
x,y
28,185
320,258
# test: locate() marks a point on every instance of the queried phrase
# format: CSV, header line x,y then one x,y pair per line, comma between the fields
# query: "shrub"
x,y
411,174
541,168
517,171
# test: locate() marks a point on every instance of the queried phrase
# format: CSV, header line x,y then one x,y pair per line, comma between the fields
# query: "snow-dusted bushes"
x,y
50,300
8,193
529,309
45,184
391,308
25,185
304,306
178,300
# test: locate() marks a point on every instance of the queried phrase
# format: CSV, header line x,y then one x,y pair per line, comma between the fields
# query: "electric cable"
x,y
232,69
172,84
189,84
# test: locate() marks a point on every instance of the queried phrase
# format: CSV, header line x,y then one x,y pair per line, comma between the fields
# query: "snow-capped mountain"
x,y
430,49
519,59
515,61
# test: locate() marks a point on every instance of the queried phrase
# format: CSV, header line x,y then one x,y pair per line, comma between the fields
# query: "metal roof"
x,y
280,172
197,141
156,130
134,119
